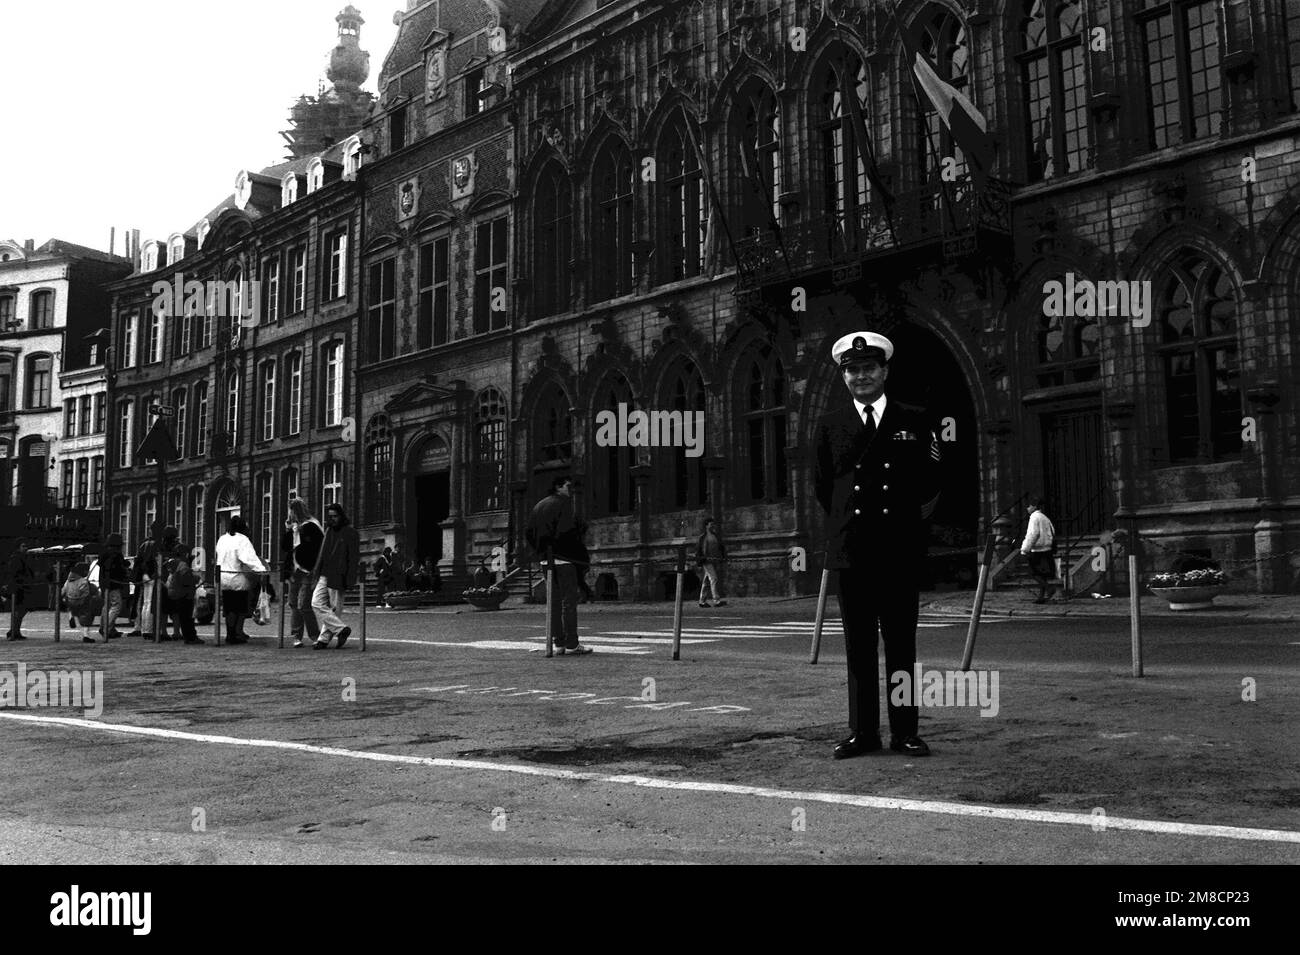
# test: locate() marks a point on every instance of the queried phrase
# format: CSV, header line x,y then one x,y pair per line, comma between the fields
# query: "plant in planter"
x,y
403,599
1191,588
485,598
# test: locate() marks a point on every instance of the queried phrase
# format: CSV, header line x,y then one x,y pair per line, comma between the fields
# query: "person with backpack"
x,y
178,598
82,598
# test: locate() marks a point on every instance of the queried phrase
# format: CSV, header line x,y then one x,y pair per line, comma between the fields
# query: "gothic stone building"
x,y
695,219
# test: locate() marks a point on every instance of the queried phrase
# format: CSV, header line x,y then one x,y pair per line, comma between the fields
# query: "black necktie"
x,y
869,422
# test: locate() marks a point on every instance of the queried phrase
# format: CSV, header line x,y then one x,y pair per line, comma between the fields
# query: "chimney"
x,y
112,240
135,248
29,246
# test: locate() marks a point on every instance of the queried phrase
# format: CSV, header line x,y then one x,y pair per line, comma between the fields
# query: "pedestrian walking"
x,y
20,580
554,530
180,584
237,567
335,573
383,574
710,552
300,546
114,582
1039,548
877,478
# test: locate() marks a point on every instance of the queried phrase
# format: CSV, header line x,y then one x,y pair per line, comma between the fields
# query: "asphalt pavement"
x,y
454,738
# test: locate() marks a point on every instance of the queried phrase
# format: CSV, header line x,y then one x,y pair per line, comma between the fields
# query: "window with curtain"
x,y
332,392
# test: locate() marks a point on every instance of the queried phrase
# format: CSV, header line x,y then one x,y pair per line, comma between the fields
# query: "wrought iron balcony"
x,y
919,218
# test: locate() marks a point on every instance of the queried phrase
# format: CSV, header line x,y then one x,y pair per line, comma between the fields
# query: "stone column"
x,y
1270,543
642,570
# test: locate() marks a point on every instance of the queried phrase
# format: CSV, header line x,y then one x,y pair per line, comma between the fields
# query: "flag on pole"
x,y
967,124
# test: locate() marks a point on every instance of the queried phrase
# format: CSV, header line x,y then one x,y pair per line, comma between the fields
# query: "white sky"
x,y
139,115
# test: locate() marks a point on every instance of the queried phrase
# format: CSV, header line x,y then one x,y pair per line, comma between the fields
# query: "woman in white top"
x,y
1038,546
237,561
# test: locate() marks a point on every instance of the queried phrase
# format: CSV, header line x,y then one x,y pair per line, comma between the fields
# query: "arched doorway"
x,y
227,502
428,499
924,372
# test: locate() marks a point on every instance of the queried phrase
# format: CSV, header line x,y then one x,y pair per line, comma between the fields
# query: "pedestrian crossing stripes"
x,y
748,631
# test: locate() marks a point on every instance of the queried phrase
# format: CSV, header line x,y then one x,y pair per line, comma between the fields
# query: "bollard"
x,y
550,604
821,615
981,587
677,602
216,603
13,613
103,589
1135,607
284,599
361,579
58,619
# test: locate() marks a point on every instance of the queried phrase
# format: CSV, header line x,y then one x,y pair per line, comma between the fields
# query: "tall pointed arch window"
x,y
682,215
1069,346
612,233
613,487
764,421
488,491
689,486
1196,303
1054,88
944,40
841,160
758,130
379,471
554,428
552,247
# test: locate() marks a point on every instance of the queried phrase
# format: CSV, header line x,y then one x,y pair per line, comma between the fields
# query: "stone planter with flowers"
x,y
485,598
1189,589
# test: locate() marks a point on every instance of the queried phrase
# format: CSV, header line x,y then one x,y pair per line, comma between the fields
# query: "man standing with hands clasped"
x,y
877,478
335,573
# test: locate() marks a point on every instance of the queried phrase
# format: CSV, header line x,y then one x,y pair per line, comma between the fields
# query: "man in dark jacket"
x,y
20,576
113,582
710,552
877,478
335,573
554,530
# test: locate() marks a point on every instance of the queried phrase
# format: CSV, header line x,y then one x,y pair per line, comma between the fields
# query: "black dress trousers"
x,y
876,601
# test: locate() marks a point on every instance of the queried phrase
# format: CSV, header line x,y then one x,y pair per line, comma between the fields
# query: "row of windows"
x,y
38,381
433,284
186,512
81,483
84,415
40,311
278,409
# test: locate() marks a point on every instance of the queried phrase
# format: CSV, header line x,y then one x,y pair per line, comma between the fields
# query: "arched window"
x,y
553,429
552,249
613,490
685,393
762,408
489,484
1197,308
1054,87
682,215
379,471
944,41
841,163
1069,346
42,315
758,130
612,232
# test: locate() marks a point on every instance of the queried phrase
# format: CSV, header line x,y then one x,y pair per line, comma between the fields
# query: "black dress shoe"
x,y
857,745
909,746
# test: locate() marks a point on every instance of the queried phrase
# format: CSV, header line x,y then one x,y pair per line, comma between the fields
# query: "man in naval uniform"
x,y
877,478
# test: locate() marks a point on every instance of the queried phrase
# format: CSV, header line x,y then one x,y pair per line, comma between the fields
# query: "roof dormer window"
x,y
175,249
315,175
204,227
149,259
288,189
352,158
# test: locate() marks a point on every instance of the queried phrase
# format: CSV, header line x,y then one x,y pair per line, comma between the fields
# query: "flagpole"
x,y
916,90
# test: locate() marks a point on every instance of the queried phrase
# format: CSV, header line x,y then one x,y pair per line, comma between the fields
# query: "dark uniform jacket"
x,y
340,552
877,495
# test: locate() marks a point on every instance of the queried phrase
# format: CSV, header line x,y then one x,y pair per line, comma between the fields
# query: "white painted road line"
x,y
935,807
